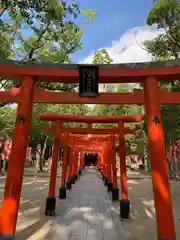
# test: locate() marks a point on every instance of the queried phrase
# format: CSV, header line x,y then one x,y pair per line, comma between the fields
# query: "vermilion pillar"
x,y
81,162
162,196
109,165
51,199
69,183
103,172
105,157
10,203
62,190
74,166
124,202
101,162
98,162
115,190
77,164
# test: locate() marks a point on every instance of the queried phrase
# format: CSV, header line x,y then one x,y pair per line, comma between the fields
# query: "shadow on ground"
x,y
33,225
142,223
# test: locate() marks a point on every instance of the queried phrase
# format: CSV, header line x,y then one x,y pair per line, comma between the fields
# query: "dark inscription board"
x,y
88,81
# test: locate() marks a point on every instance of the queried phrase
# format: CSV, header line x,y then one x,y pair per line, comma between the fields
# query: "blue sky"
x,y
111,22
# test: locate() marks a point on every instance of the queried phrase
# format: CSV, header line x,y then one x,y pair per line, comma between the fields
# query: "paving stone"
x,y
90,214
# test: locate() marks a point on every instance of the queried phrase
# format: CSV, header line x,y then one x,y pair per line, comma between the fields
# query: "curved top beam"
x,y
89,119
108,73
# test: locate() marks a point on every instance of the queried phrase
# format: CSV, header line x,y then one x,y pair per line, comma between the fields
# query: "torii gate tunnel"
x,y
108,164
151,97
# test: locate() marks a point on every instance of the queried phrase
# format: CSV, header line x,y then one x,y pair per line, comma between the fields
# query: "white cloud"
x,y
129,47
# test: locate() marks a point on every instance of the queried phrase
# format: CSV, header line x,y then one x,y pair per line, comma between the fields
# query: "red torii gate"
x,y
121,131
70,173
111,179
147,73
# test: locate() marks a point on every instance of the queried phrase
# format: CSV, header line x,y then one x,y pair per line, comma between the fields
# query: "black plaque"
x,y
88,81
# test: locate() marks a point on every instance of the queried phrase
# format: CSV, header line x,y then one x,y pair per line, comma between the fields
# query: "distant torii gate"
x,y
108,169
67,172
147,73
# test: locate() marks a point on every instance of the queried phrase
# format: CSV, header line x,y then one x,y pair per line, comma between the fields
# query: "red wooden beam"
x,y
89,119
103,98
90,131
113,73
136,97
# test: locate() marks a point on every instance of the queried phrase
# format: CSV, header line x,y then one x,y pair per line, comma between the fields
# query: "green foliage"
x,y
7,121
53,34
40,31
102,57
166,14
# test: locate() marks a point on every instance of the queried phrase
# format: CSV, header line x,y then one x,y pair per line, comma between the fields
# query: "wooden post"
x,y
51,199
115,190
81,166
62,189
109,165
124,202
162,196
103,164
69,182
10,203
98,162
74,166
105,157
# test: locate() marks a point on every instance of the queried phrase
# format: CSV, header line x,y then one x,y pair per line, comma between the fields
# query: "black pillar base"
x,y
68,185
110,186
124,209
50,206
62,193
105,181
76,177
80,172
73,180
115,194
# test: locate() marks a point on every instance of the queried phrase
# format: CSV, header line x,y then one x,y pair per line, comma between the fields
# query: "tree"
x,y
53,34
166,14
102,57
40,31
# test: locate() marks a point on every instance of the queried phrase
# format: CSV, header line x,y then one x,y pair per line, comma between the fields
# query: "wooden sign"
x,y
88,81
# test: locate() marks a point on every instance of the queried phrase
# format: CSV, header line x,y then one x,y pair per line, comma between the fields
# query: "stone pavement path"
x,y
89,214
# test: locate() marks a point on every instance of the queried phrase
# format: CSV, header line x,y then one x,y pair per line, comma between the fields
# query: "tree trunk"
x,y
38,157
147,166
43,153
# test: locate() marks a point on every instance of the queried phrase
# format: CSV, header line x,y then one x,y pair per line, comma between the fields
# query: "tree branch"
x,y
169,35
143,48
2,11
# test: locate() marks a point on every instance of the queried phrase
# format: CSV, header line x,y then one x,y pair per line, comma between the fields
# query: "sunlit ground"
x,y
142,223
32,224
